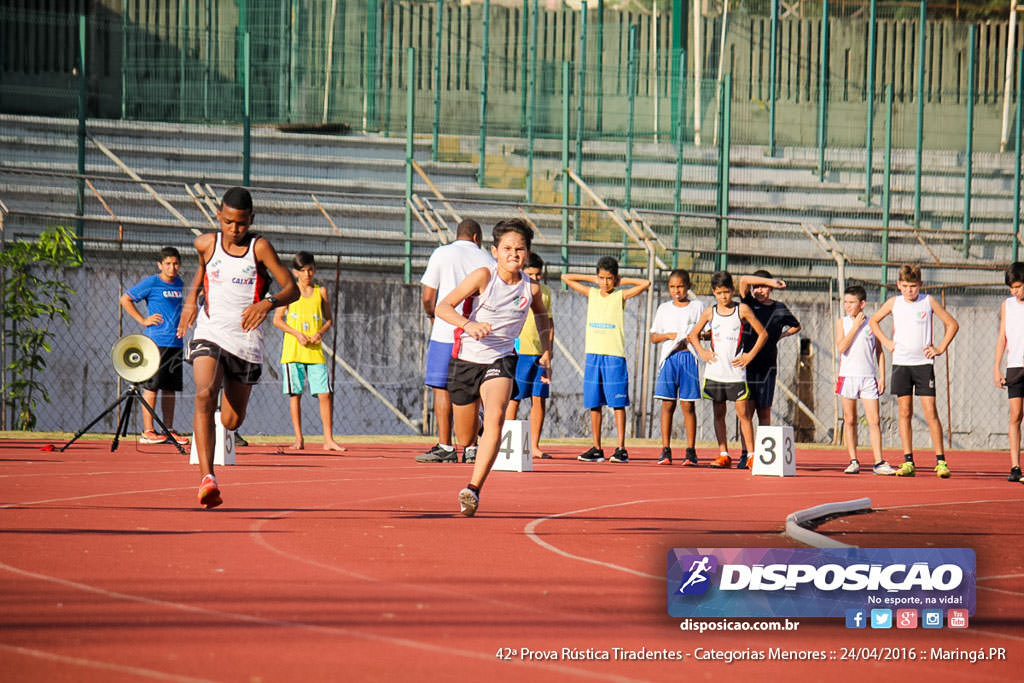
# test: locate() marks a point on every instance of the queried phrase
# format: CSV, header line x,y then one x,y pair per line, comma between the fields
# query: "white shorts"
x,y
857,387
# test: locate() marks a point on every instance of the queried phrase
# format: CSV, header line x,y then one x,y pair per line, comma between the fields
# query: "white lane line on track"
x,y
106,666
949,502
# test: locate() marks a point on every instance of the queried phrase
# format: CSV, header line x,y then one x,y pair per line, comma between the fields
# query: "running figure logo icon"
x,y
696,581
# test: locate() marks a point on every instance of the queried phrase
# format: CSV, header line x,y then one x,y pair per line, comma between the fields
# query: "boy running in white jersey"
x,y
859,362
483,362
1011,343
227,347
913,355
725,376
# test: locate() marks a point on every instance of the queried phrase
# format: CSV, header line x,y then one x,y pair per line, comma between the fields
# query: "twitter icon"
x,y
881,618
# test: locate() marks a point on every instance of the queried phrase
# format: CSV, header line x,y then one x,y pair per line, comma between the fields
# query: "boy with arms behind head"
x,y
162,294
725,377
235,266
860,359
605,376
913,355
1011,343
302,357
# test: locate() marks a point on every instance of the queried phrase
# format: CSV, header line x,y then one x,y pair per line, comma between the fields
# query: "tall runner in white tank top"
x,y
228,346
484,366
1011,342
913,350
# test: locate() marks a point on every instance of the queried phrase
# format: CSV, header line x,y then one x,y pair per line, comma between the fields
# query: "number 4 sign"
x,y
773,455
514,447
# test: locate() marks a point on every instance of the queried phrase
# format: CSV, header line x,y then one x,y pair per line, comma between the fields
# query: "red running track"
x,y
356,567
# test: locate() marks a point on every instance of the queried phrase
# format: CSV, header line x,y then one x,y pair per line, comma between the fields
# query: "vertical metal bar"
x,y
481,171
82,104
698,74
246,111
1017,161
437,80
565,167
920,112
680,125
823,85
886,192
1011,38
410,111
631,94
182,16
581,82
209,60
773,55
724,178
389,63
678,42
524,41
969,148
372,53
124,63
870,136
600,65
531,112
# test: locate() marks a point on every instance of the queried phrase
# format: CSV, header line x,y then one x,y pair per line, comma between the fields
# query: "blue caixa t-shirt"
x,y
163,298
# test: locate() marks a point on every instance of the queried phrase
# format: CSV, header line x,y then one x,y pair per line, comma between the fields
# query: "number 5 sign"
x,y
773,454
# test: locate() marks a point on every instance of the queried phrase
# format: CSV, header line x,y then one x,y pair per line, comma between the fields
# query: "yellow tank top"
x,y
529,338
605,334
306,316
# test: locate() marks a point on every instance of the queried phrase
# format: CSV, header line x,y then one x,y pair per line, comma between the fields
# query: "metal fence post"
x,y
920,112
531,112
723,177
481,172
389,19
437,81
581,82
124,63
600,65
82,105
774,58
631,94
246,111
565,167
1017,162
886,192
410,126
869,138
372,43
524,41
822,90
182,18
209,60
969,149
679,123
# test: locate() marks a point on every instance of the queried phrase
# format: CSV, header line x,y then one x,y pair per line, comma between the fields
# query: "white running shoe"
x,y
852,468
883,468
468,500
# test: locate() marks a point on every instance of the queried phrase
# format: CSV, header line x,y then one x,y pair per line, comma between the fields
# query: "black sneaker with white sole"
x,y
439,453
592,455
1014,474
620,455
666,456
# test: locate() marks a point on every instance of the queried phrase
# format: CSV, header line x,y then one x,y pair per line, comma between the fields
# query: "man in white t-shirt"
x,y
448,266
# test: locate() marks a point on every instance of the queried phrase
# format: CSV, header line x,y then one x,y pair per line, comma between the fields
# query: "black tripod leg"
x,y
102,415
122,426
156,420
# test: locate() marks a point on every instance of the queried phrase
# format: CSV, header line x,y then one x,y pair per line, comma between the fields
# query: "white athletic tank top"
x,y
502,305
911,330
231,284
726,342
859,359
1014,333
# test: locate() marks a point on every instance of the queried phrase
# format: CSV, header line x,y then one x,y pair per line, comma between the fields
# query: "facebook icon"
x,y
856,618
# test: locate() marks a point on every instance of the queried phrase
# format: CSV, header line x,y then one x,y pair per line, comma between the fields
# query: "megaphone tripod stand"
x,y
129,397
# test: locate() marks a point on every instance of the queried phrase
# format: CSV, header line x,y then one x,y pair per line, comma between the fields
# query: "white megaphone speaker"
x,y
136,358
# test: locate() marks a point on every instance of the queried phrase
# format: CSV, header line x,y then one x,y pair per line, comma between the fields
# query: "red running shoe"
x,y
209,493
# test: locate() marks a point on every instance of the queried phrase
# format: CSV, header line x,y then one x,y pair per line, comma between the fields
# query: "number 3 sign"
x,y
774,456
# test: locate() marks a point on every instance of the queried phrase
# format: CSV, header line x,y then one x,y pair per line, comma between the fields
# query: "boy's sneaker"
x,y
209,493
884,469
742,464
149,436
691,458
592,455
906,469
469,454
468,501
182,441
620,455
239,441
1014,474
438,453
723,461
853,468
942,469
666,456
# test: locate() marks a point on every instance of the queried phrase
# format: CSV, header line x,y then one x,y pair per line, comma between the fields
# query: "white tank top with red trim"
x,y
726,342
502,305
231,284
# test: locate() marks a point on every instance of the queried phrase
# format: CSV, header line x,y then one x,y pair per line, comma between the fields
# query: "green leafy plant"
x,y
34,295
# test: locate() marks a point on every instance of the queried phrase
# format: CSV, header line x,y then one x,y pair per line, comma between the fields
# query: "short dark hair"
x,y
1014,273
469,228
168,252
910,272
682,275
516,225
761,273
721,278
608,264
237,198
535,261
857,291
303,259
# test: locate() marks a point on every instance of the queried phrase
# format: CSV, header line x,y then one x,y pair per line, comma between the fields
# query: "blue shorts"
x,y
678,378
528,374
605,382
295,376
439,355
